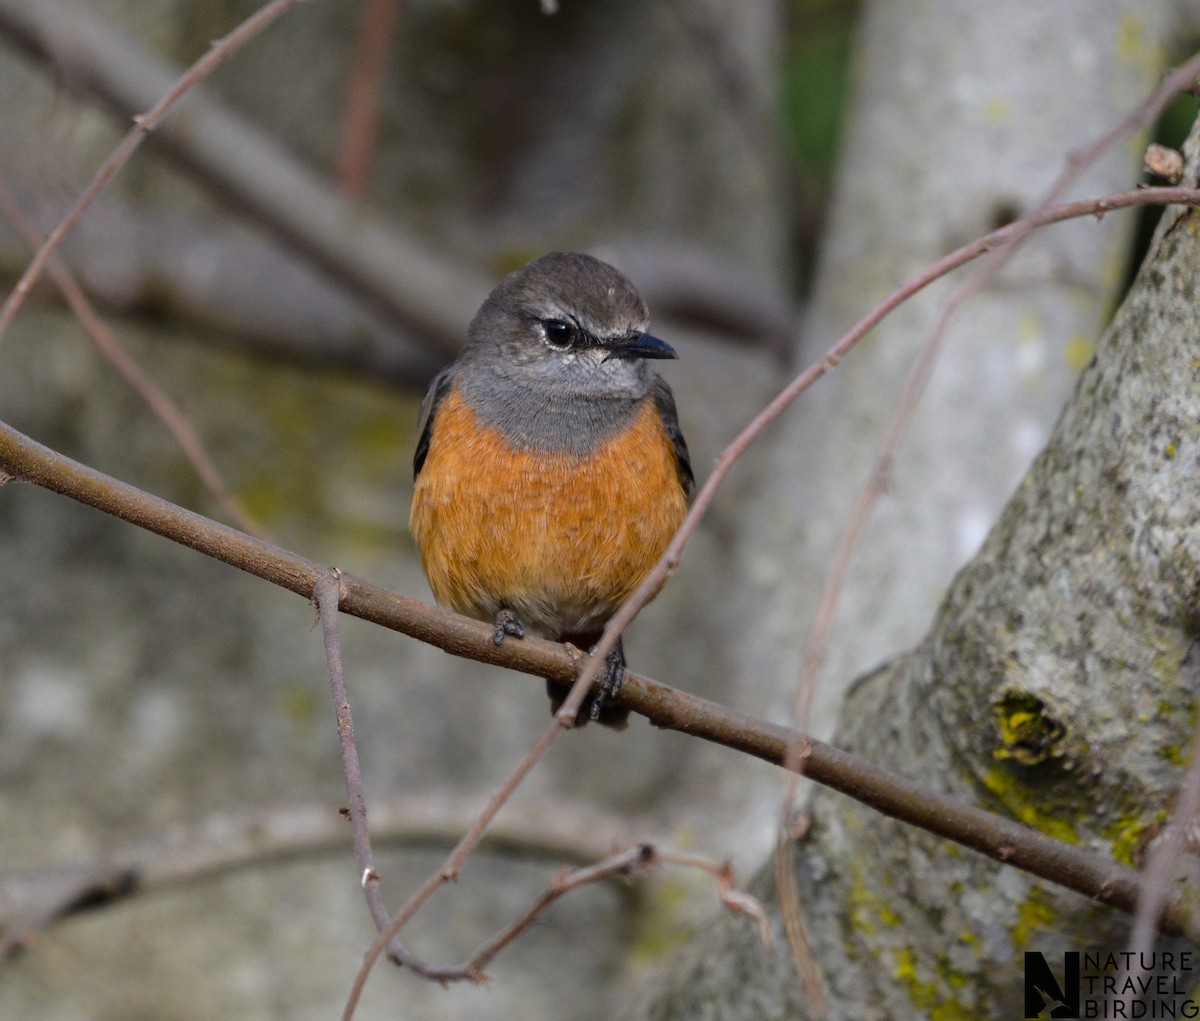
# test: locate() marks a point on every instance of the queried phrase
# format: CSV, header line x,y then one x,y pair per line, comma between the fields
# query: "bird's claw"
x,y
610,687
507,624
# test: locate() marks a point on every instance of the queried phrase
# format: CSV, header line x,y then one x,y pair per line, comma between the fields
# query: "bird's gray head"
x,y
566,324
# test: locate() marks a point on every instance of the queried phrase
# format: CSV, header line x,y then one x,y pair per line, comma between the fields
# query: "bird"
x,y
550,472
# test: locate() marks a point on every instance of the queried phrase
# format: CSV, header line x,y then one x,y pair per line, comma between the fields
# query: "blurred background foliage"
x,y
815,81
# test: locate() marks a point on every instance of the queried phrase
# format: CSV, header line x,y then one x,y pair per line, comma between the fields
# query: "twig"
x,y
734,899
326,596
450,867
795,927
33,900
360,112
995,836
143,124
107,344
1164,854
633,861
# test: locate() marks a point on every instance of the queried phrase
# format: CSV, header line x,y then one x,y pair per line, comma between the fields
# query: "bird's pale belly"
x,y
560,539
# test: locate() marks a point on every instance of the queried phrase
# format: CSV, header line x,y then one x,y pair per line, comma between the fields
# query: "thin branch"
x,y
449,869
327,595
1161,861
634,861
105,341
734,899
997,837
31,901
628,863
795,926
143,124
360,112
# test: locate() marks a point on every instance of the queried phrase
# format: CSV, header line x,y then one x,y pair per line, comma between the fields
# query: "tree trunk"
x,y
1058,685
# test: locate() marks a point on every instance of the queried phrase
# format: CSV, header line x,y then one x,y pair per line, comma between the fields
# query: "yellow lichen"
x,y
1034,914
1028,733
929,996
1018,799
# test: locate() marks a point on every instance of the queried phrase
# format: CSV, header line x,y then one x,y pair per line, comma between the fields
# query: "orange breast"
x,y
558,538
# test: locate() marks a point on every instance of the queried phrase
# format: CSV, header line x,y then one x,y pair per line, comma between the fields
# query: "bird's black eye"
x,y
558,334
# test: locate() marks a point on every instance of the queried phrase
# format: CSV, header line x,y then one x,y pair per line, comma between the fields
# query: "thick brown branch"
x,y
992,835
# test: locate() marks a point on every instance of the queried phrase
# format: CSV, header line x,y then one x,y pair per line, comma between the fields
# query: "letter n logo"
x,y
1042,989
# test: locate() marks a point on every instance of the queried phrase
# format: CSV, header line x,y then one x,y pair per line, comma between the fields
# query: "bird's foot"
x,y
610,687
507,625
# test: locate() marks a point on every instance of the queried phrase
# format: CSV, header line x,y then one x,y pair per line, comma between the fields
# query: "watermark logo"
x,y
1147,986
1043,989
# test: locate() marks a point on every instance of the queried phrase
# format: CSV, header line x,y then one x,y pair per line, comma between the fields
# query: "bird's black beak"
x,y
639,345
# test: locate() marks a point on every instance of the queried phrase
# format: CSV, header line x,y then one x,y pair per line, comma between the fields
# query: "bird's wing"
x,y
433,397
664,401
